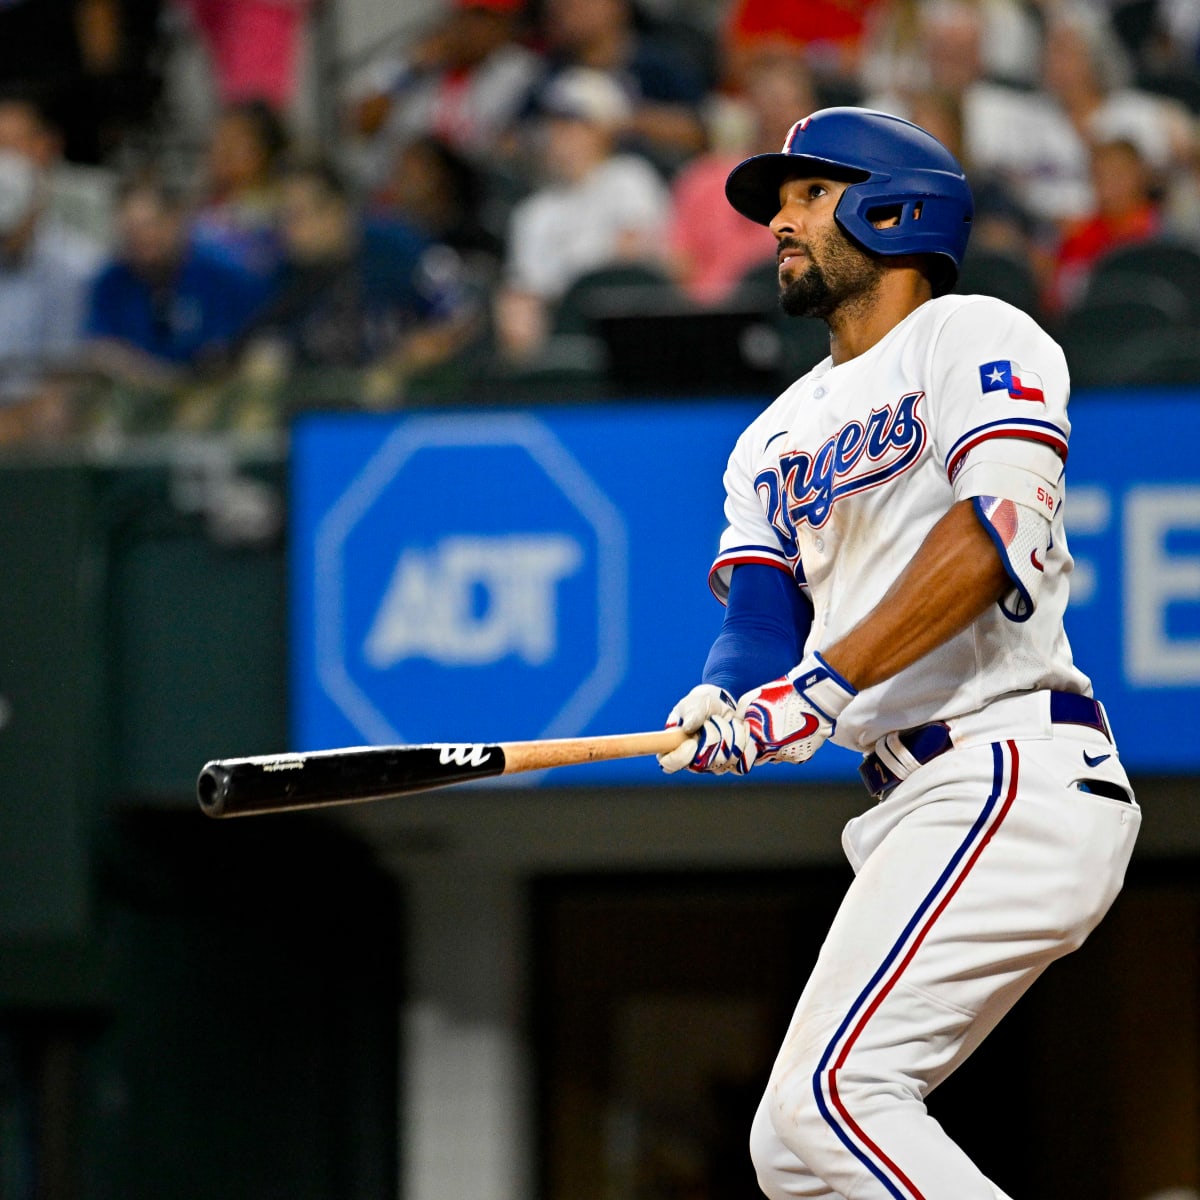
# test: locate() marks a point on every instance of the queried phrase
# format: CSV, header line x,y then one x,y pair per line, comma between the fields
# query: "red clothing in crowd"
x,y
800,22
1089,240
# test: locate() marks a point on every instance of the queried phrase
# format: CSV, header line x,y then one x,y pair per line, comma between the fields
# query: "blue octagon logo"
x,y
471,585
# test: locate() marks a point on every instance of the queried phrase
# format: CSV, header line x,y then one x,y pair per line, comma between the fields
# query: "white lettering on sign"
x,y
463,756
470,601
1156,577
1088,511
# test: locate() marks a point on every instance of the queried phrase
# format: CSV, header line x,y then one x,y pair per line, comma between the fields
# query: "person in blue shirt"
x,y
165,308
358,292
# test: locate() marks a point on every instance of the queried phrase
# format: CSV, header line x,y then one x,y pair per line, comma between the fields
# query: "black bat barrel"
x,y
235,787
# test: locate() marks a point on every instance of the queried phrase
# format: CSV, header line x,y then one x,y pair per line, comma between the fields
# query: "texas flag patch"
x,y
1007,376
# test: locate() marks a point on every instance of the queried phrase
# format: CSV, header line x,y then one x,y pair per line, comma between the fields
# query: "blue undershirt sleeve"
x,y
767,619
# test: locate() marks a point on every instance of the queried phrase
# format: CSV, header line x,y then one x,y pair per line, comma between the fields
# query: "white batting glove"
x,y
790,718
702,703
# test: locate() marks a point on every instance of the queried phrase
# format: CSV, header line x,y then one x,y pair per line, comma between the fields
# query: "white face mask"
x,y
18,190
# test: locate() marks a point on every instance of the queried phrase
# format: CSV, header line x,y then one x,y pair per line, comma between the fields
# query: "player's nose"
x,y
787,222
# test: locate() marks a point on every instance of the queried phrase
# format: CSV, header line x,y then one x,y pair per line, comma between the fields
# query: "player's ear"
x,y
886,216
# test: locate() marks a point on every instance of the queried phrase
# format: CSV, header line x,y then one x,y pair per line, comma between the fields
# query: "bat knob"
x,y
212,788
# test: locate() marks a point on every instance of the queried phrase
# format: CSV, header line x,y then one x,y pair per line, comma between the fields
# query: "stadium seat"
x,y
759,286
1117,286
620,288
1167,260
1160,357
1098,336
993,273
802,342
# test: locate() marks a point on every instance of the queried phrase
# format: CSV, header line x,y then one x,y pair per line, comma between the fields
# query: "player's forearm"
x,y
953,578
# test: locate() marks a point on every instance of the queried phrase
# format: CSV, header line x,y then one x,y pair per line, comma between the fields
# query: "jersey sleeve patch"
x,y
1007,376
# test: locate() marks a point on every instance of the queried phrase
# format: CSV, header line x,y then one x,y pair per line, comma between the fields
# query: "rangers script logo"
x,y
804,487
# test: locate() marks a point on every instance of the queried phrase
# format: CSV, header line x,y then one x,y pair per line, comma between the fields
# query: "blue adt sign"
x,y
498,576
461,564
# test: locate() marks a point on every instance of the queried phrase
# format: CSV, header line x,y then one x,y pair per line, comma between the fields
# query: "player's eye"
x,y
816,191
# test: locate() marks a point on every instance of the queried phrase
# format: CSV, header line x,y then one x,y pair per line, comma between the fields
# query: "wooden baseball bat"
x,y
239,787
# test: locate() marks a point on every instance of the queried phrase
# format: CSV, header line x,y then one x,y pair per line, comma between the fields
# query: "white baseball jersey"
x,y
843,476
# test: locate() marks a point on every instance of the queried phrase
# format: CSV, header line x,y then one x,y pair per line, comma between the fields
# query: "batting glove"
x,y
709,750
789,718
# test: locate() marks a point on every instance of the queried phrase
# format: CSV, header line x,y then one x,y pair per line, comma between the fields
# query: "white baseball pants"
x,y
972,875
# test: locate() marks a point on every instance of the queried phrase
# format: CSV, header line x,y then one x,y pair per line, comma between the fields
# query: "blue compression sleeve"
x,y
767,619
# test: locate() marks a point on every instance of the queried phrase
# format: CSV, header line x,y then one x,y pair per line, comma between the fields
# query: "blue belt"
x,y
927,742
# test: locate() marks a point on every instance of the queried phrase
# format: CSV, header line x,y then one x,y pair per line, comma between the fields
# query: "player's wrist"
x,y
821,686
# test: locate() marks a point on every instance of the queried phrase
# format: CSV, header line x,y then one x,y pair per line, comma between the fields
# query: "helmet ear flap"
x,y
895,217
892,216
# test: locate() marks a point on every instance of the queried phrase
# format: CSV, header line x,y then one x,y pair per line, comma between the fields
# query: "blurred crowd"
x,y
490,168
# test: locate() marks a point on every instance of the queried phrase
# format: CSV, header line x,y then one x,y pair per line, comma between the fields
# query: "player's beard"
x,y
838,275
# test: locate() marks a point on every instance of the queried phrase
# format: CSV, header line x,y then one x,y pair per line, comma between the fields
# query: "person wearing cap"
x,y
597,207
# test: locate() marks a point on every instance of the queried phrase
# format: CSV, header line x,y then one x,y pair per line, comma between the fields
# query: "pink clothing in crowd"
x,y
253,45
713,245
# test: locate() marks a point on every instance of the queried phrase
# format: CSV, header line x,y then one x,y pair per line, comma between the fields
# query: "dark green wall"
x,y
188,1008
251,1047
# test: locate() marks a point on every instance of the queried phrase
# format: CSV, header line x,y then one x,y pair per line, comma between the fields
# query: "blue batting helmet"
x,y
894,168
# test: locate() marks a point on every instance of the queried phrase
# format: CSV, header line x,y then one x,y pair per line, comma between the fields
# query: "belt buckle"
x,y
877,778
924,743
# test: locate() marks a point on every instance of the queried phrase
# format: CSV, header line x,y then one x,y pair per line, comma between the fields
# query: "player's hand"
x,y
703,703
789,718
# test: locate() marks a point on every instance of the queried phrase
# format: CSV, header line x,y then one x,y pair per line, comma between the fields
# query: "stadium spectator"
x,y
26,130
664,86
239,216
597,207
75,197
253,46
827,33
936,67
437,191
164,307
929,63
913,46
45,273
465,82
1127,211
92,62
1163,39
711,245
357,292
1039,142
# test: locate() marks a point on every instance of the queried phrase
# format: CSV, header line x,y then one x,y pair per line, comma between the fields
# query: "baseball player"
x,y
895,572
